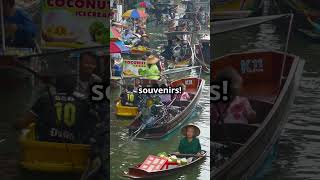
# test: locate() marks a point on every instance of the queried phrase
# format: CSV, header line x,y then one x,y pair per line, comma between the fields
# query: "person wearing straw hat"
x,y
144,41
190,144
152,71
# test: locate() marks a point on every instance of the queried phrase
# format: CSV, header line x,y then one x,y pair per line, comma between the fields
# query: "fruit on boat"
x,y
183,161
173,158
139,48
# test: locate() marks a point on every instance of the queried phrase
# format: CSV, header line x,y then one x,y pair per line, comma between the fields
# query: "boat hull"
x,y
305,15
135,173
244,163
126,111
163,130
52,157
235,9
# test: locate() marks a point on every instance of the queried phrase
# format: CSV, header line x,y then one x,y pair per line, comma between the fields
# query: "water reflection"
x,y
125,155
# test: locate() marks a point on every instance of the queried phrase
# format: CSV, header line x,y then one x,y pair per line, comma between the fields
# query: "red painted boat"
x,y
136,173
270,81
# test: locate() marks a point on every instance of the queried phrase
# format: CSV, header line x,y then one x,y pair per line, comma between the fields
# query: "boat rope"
x,y
144,125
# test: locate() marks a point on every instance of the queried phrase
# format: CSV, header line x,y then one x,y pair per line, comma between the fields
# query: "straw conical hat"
x,y
144,35
152,59
196,130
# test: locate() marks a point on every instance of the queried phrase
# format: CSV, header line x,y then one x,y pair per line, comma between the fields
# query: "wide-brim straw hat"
x,y
144,35
196,130
152,59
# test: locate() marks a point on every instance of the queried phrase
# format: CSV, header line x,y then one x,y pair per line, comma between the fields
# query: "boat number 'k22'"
x,y
188,82
251,66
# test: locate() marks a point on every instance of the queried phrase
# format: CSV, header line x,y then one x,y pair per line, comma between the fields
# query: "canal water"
x,y
297,154
124,154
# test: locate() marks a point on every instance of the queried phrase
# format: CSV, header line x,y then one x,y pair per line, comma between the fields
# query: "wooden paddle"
x,y
189,155
142,127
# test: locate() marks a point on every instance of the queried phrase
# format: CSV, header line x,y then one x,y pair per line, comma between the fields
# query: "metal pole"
x,y
2,28
286,47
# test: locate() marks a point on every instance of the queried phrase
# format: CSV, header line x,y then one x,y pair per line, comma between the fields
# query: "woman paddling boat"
x,y
190,144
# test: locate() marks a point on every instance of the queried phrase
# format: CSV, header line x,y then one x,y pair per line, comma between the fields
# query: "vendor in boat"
x,y
127,36
117,65
176,49
66,116
20,31
141,30
190,144
184,27
152,71
144,41
128,97
172,26
87,76
238,109
168,52
185,48
173,10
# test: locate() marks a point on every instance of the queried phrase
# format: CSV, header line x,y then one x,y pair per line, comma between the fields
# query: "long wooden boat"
x,y
270,81
50,156
188,58
126,111
132,111
177,113
306,15
234,9
136,173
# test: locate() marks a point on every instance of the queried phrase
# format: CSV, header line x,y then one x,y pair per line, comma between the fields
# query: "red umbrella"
x,y
114,34
145,4
118,47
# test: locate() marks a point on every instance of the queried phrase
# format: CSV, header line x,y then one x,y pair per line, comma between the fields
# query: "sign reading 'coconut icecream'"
x,y
131,68
74,23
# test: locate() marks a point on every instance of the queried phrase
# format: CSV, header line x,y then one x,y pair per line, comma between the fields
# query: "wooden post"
x,y
2,28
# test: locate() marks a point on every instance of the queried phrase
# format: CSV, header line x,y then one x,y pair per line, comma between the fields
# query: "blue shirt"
x,y
26,29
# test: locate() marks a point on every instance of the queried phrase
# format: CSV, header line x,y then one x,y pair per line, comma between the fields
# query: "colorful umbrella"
x,y
118,47
114,34
134,13
145,4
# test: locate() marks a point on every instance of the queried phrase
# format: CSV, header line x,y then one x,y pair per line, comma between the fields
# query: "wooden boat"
x,y
310,34
305,14
176,113
235,9
270,81
52,157
136,173
132,111
126,111
202,52
313,3
314,32
188,58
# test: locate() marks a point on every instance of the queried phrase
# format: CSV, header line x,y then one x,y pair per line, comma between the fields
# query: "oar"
x,y
2,140
189,155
